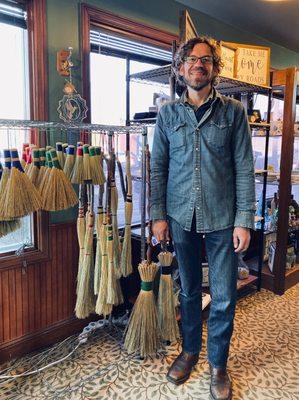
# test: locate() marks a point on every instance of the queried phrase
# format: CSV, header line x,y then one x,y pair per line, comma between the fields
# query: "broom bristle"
x,y
142,334
112,295
21,197
69,161
7,227
102,308
33,172
85,297
78,171
59,194
81,228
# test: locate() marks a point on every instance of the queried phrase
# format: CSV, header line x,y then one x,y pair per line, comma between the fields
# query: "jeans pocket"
x,y
177,135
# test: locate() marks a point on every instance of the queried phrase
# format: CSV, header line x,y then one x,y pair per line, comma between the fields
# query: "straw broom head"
x,y
85,297
77,175
98,257
102,307
64,147
69,161
142,333
21,197
42,166
86,163
112,295
97,165
59,194
166,302
33,173
44,179
5,173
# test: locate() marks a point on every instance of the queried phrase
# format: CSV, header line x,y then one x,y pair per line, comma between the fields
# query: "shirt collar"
x,y
210,98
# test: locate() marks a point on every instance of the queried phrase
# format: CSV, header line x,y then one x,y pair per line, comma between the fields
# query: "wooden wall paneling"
x,y
37,296
31,298
59,247
25,302
49,317
12,303
19,317
5,302
1,309
43,295
54,276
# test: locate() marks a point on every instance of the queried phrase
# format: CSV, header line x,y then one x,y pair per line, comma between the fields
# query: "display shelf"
x,y
259,125
226,85
245,282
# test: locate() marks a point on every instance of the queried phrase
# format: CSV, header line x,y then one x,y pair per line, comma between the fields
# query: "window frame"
x,y
38,87
98,18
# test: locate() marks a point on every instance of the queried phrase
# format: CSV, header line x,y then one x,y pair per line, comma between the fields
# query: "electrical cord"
x,y
82,338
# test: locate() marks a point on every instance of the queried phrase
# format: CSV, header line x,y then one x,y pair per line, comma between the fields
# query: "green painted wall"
x,y
63,18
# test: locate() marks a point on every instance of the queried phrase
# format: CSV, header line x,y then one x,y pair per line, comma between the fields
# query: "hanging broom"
x,y
86,163
98,257
64,148
126,255
59,193
166,302
12,225
142,333
33,172
114,205
99,161
5,172
28,158
44,178
102,308
20,197
81,228
24,157
69,161
85,296
42,166
60,155
77,175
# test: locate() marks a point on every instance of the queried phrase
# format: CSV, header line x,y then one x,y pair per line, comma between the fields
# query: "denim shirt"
x,y
203,168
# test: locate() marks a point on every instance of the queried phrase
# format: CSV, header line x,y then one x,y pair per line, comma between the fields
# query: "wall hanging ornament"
x,y
72,107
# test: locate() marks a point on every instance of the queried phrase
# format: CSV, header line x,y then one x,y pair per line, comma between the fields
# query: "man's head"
x,y
198,63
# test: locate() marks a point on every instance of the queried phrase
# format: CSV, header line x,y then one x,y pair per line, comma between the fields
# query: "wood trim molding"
x,y
92,16
44,337
40,253
38,59
286,162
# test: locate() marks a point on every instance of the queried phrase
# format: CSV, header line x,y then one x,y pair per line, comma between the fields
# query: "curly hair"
x,y
185,50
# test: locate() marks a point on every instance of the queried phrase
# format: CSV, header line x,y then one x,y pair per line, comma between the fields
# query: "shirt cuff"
x,y
244,219
158,213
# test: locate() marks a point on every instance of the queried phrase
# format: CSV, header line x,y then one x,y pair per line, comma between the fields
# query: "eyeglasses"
x,y
204,60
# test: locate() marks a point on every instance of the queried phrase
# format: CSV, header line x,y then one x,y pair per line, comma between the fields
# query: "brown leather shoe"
x,y
181,368
221,387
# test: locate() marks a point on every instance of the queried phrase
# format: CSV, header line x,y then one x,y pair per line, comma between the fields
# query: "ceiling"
x,y
275,20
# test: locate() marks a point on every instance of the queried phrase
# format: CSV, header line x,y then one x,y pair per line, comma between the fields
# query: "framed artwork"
x,y
254,116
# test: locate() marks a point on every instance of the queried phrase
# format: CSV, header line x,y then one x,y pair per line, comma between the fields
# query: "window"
x,y
112,58
14,99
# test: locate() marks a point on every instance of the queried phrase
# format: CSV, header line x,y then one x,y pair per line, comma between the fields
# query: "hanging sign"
x,y
228,56
251,63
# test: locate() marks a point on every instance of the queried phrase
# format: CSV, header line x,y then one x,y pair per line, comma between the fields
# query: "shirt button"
x,y
196,169
197,188
196,149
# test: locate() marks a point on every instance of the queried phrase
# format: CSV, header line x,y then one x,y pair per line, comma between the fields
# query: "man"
x,y
202,183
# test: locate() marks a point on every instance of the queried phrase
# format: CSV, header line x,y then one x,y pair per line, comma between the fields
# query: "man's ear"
x,y
181,70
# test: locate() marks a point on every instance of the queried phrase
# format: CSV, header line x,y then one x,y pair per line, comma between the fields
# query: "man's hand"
x,y
160,230
241,239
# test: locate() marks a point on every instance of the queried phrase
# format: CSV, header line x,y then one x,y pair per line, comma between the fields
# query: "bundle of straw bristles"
x,y
43,178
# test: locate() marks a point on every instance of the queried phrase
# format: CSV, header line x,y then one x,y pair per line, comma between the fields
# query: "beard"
x,y
198,85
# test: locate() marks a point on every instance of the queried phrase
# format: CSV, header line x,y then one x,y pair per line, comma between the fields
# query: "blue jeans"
x,y
223,289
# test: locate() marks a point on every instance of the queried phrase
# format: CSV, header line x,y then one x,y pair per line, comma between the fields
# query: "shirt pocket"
x,y
218,134
177,136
